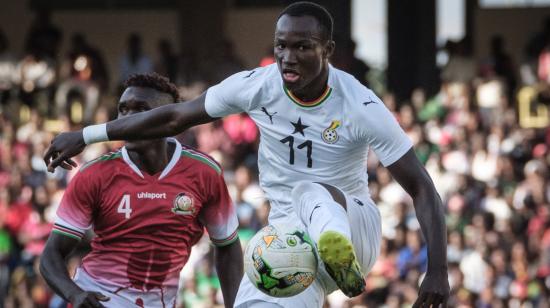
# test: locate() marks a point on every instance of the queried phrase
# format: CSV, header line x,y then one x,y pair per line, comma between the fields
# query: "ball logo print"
x,y
291,241
183,205
330,135
280,260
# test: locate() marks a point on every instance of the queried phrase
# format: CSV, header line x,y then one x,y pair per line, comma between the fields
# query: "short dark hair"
x,y
305,8
153,81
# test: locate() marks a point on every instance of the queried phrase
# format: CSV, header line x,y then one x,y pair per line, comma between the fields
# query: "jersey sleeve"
x,y
219,214
382,131
75,213
232,95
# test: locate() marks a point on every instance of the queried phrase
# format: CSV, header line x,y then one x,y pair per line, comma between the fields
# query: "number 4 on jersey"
x,y
124,206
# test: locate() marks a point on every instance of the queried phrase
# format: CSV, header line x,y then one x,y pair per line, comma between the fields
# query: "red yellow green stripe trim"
x,y
229,240
310,104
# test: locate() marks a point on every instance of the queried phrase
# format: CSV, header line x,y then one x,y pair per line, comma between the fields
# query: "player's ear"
x,y
329,48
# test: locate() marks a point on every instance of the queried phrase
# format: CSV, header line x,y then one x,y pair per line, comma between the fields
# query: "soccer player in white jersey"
x,y
316,125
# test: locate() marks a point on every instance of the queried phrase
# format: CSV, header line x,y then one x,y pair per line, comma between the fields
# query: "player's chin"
x,y
293,86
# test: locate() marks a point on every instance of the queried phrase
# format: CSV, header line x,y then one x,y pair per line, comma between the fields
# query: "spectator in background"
x,y
35,230
84,75
7,69
268,58
43,38
533,51
244,136
414,256
36,76
344,58
134,61
167,63
224,63
461,67
188,69
500,64
6,245
37,69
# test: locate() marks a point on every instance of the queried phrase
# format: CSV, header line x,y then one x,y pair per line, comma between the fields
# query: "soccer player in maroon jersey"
x,y
148,204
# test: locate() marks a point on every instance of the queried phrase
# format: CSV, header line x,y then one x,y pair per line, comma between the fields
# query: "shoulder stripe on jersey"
x,y
105,157
310,104
67,231
202,158
229,240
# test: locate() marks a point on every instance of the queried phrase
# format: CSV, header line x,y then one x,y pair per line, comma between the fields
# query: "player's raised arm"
x,y
165,121
414,178
395,151
54,271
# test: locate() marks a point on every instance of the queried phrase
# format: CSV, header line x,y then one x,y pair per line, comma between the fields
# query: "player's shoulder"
x,y
101,163
352,92
256,76
339,77
201,161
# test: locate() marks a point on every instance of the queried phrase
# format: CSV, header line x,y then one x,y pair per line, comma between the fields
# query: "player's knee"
x,y
305,190
335,193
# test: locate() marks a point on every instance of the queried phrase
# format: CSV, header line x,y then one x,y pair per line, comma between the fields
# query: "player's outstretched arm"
x,y
229,266
413,177
164,121
54,271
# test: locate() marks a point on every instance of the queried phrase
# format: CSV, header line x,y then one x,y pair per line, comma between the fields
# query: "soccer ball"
x,y
280,260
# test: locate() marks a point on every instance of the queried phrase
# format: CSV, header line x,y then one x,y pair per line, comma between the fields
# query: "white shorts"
x,y
122,298
366,235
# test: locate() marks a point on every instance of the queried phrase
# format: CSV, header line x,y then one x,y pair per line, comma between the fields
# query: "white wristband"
x,y
95,133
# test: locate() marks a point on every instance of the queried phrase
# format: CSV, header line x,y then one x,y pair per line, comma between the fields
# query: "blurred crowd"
x,y
483,138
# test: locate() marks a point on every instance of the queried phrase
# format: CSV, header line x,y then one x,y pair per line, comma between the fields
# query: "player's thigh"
x,y
366,229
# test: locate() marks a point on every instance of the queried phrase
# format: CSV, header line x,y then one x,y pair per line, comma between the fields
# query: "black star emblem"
x,y
299,127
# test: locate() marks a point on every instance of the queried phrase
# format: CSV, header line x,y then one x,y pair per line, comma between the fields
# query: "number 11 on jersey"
x,y
124,206
308,144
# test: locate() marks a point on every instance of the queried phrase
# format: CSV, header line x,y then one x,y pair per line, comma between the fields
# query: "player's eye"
x,y
280,46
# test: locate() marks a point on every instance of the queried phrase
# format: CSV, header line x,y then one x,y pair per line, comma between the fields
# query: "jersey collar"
x,y
167,169
310,104
319,100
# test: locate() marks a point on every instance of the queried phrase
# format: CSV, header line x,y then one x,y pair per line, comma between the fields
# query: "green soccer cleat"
x,y
338,254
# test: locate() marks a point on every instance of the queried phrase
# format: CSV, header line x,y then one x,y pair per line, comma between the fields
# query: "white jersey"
x,y
322,141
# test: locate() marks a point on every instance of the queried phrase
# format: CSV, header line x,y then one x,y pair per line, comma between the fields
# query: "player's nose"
x,y
289,57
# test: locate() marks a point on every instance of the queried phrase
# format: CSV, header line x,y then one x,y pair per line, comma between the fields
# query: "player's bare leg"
x,y
322,208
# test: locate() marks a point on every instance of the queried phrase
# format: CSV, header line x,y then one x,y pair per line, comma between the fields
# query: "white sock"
x,y
318,211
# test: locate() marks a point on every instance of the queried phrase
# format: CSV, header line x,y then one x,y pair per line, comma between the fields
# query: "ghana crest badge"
x,y
330,135
183,205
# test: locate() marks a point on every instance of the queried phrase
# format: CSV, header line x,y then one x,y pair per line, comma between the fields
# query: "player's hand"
x,y
434,291
63,147
87,299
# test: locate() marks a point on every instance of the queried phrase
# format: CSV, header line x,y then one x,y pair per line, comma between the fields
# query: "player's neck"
x,y
315,89
152,158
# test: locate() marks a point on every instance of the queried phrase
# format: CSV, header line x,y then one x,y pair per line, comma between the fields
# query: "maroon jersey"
x,y
146,224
